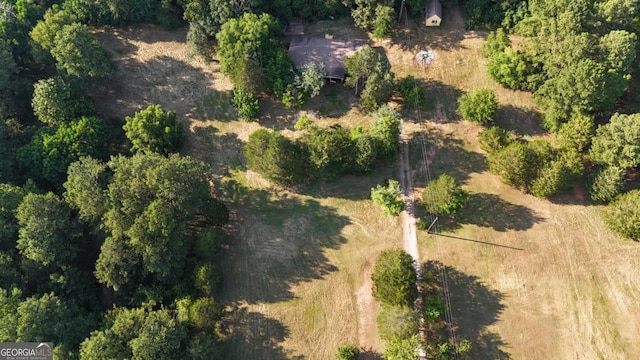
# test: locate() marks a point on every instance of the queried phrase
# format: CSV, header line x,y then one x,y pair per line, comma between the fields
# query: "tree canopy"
x,y
79,54
623,215
154,130
394,278
617,143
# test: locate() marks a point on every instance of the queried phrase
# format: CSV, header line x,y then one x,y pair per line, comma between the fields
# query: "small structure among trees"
x,y
328,52
433,15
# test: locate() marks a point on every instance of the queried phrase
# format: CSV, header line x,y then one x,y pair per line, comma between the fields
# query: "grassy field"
x,y
530,278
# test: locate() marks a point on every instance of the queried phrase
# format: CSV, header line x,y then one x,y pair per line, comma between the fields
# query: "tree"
x,y
495,138
377,91
618,142
56,100
245,103
510,68
496,43
276,157
443,196
364,63
389,197
47,235
159,337
558,175
79,54
577,132
394,278
383,21
245,46
10,197
85,188
386,129
311,78
154,130
331,151
49,153
605,184
402,349
513,164
347,352
623,215
412,93
397,322
479,105
44,33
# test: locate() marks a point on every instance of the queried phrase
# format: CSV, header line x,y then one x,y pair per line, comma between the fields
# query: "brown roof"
x,y
435,8
328,52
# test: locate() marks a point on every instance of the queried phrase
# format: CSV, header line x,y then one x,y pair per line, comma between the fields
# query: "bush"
x,y
577,132
154,130
511,69
383,21
397,322
388,197
623,215
479,105
386,129
276,158
394,278
495,138
347,352
605,184
514,164
55,101
558,175
443,196
245,103
411,91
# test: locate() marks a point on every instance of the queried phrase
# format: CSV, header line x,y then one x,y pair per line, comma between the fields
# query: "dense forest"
x,y
108,235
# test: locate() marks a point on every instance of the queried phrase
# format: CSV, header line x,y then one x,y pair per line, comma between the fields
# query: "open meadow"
x,y
529,278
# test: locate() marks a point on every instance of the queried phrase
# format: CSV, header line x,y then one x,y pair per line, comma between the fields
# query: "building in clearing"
x,y
328,52
433,15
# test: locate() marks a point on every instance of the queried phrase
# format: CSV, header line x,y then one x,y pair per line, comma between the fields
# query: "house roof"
x,y
435,8
328,52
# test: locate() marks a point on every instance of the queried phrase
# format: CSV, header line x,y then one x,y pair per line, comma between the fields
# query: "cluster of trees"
x,y
576,58
323,153
84,229
394,286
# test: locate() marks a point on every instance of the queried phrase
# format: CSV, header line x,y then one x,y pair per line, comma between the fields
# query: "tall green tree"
x,y
79,54
389,197
155,206
43,35
56,100
394,278
10,197
617,143
47,234
245,46
154,130
50,152
276,157
623,215
443,196
479,105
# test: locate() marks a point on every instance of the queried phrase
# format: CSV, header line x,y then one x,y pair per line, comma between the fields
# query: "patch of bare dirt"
x,y
367,308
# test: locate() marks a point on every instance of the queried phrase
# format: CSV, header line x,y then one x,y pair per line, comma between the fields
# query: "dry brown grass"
x,y
297,262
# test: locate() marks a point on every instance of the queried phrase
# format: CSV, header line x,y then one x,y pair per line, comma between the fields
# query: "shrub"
x,y
443,196
388,197
605,184
479,105
347,352
623,215
411,91
154,129
394,278
577,132
245,103
495,138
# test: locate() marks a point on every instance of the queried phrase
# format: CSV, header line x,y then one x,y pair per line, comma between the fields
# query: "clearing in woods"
x,y
530,278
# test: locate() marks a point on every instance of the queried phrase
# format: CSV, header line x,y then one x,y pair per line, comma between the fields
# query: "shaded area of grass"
x,y
223,151
522,121
216,105
282,242
489,210
442,101
252,335
474,308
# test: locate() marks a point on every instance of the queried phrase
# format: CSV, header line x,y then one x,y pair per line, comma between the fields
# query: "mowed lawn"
x,y
530,278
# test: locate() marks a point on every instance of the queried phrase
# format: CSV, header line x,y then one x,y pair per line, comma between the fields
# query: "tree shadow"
x,y
489,210
369,354
520,120
440,151
215,105
474,307
222,152
442,102
251,335
278,242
